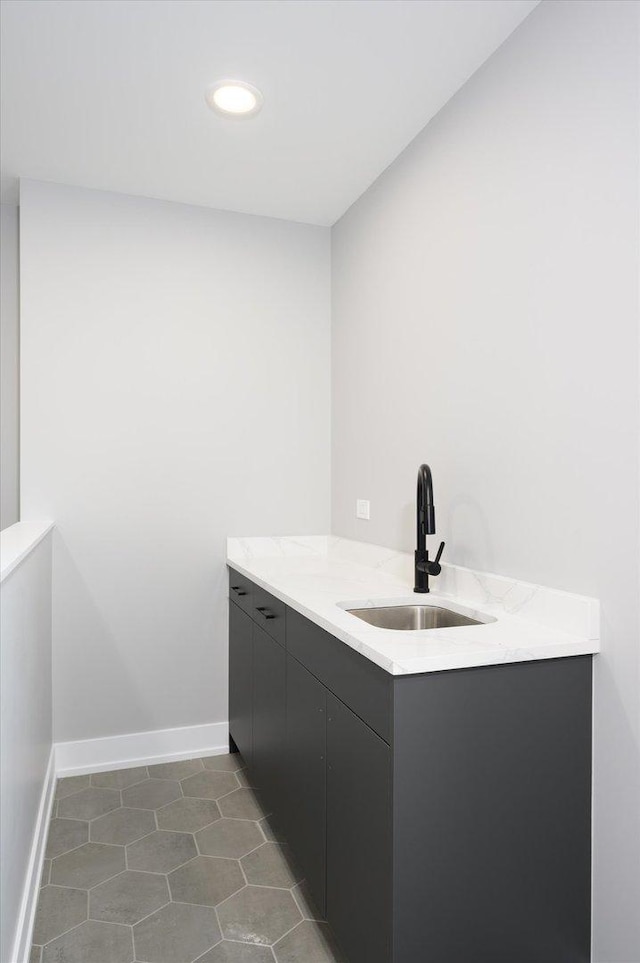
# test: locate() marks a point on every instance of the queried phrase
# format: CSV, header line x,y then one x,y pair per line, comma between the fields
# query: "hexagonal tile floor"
x,y
173,862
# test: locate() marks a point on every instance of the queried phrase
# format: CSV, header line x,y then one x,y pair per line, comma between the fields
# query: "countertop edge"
x,y
563,648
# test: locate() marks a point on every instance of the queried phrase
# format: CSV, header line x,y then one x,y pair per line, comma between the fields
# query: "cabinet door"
x,y
269,713
240,684
359,861
305,812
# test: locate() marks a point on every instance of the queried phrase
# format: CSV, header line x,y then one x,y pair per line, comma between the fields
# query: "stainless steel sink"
x,y
413,617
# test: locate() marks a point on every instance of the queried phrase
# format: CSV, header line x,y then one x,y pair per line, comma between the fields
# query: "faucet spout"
x,y
425,513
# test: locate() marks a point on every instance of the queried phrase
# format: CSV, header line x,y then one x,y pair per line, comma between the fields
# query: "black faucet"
x,y
426,525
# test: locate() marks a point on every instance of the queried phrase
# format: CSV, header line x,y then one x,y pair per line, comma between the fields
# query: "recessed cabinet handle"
x,y
264,612
238,590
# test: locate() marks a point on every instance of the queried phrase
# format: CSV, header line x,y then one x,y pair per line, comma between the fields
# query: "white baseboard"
x,y
141,748
29,901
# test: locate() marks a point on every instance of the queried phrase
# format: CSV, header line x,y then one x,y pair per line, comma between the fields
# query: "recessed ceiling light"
x,y
234,98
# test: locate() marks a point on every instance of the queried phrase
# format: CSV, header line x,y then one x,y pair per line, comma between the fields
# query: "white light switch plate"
x,y
363,508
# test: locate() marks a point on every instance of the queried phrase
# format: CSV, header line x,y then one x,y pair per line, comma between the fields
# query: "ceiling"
x,y
110,94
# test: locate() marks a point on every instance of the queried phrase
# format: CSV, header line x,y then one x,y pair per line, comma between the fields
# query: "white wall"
x,y
174,390
9,338
25,725
485,320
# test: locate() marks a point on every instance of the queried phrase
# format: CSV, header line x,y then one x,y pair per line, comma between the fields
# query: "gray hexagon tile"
x,y
228,762
176,770
91,942
209,785
151,794
271,865
229,837
88,865
258,915
128,898
89,803
65,834
311,942
206,881
122,826
70,785
59,909
227,952
178,933
188,815
119,778
241,804
176,858
161,852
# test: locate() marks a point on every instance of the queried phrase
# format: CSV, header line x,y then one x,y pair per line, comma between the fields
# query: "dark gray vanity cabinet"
x,y
304,815
241,680
438,818
257,673
359,864
269,706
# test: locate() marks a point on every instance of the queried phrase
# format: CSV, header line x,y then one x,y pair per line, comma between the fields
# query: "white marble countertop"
x,y
17,541
322,575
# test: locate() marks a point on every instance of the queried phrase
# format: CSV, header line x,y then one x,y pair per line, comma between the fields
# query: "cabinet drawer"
x,y
360,684
241,591
269,613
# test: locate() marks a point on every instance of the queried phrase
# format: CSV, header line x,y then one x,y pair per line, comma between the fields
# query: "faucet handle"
x,y
434,567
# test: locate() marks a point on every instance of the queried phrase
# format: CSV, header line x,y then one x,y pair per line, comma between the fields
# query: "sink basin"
x,y
412,617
